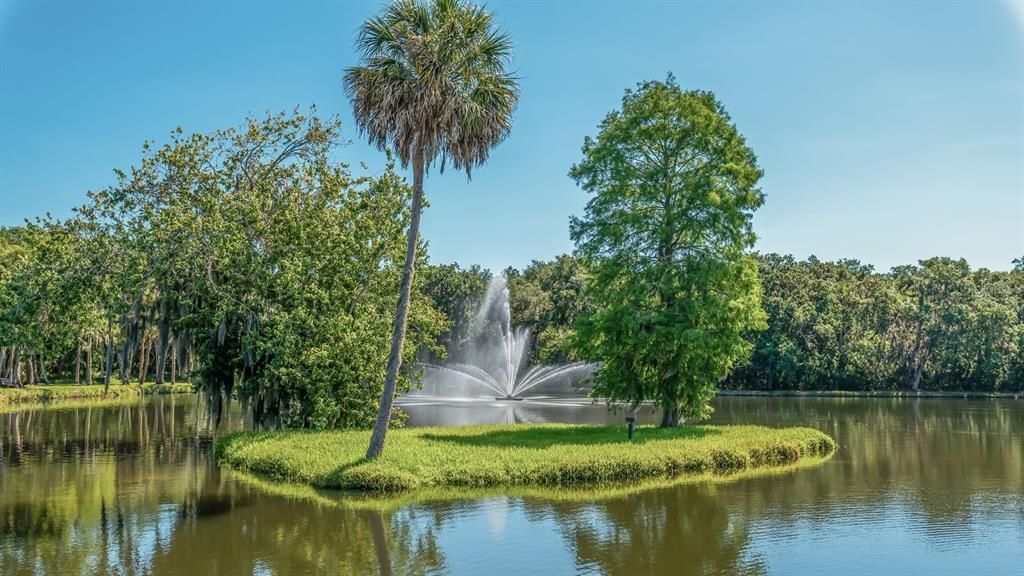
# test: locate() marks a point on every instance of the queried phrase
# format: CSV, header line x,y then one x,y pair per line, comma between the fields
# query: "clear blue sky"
x,y
888,132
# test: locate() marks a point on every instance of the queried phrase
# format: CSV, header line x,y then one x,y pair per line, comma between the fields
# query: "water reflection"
x,y
917,486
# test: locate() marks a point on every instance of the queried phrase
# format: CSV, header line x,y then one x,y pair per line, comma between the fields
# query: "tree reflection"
x,y
128,490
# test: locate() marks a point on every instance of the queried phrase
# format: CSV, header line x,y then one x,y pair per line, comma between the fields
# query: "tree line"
x,y
935,325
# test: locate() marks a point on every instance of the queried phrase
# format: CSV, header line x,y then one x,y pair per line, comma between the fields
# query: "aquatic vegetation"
x,y
64,392
517,455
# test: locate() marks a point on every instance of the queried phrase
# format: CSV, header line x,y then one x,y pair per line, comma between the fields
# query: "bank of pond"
x,y
12,398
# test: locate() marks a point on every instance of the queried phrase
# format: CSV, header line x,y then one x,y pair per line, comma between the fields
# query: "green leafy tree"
x,y
433,85
455,292
250,256
666,236
548,297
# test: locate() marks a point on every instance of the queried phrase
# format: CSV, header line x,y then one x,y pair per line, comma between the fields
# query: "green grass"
x,y
46,393
516,455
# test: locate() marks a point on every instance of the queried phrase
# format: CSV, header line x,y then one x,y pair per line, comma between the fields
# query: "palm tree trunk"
x,y
380,428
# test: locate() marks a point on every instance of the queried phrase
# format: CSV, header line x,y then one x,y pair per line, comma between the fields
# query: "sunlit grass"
x,y
516,455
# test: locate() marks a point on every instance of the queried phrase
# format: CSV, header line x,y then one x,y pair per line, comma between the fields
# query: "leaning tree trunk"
x,y
915,381
380,428
78,363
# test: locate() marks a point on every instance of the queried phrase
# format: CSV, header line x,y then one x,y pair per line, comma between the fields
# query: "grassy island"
x,y
515,455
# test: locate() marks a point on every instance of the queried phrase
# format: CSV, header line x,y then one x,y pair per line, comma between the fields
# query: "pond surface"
x,y
916,487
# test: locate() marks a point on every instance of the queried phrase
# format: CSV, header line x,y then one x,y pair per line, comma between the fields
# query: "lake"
x,y
917,486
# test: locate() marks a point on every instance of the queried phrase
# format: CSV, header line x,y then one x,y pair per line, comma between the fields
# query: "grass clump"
x,y
515,455
46,393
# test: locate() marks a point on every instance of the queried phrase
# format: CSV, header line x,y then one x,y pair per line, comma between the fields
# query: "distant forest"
x,y
936,325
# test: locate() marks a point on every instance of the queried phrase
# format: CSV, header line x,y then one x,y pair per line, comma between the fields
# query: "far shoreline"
x,y
948,394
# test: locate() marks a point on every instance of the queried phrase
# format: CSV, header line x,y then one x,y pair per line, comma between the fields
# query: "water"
x,y
916,487
493,361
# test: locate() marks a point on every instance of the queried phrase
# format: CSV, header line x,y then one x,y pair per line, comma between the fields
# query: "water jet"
x,y
492,361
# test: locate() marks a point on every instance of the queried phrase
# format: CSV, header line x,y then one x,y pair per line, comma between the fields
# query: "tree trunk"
x,y
78,363
16,367
163,342
670,417
88,362
915,381
380,428
174,362
108,361
31,370
42,370
143,361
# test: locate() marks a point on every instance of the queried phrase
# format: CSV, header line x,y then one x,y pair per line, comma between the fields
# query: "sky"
x,y
887,131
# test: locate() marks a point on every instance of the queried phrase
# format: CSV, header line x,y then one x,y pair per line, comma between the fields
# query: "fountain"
x,y
493,360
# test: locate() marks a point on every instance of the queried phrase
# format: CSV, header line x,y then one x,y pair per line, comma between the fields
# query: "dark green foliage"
x,y
548,297
247,258
456,293
666,235
842,326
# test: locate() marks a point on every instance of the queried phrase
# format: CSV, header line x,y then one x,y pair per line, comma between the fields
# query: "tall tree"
x,y
433,85
666,234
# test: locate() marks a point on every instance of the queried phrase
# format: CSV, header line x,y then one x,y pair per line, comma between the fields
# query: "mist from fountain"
x,y
493,360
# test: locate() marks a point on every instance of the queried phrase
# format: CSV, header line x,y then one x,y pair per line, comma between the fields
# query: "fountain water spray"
x,y
497,352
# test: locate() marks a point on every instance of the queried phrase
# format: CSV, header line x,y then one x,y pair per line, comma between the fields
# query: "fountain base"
x,y
508,398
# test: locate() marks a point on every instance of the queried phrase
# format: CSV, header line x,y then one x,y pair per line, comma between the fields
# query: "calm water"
x,y
917,487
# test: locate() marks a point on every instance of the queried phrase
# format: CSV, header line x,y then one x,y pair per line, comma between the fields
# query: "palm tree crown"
x,y
434,82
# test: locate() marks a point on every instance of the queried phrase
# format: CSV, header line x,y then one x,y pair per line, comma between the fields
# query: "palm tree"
x,y
433,85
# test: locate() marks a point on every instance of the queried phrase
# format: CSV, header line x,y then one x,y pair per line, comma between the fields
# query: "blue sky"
x,y
887,131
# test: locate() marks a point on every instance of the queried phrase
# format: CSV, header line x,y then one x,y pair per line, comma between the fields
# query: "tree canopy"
x,y
246,260
666,235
